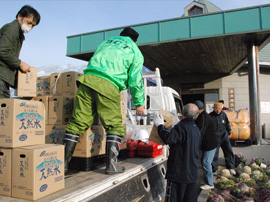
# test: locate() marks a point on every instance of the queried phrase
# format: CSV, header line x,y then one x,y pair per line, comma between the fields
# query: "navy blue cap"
x,y
199,104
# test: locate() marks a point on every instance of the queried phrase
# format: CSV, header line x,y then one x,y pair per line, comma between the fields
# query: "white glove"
x,y
158,120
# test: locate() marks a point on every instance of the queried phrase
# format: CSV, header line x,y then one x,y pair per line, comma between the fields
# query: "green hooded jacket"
x,y
119,60
11,40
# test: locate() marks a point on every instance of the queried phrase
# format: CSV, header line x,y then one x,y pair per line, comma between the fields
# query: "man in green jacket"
x,y
11,40
116,64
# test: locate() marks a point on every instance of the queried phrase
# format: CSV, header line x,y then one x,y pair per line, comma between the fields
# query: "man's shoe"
x,y
232,171
215,173
206,187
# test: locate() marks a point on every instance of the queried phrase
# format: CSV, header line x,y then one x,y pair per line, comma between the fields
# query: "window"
x,y
195,11
178,105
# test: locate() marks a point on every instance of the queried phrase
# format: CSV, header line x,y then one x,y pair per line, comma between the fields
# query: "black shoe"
x,y
70,141
112,152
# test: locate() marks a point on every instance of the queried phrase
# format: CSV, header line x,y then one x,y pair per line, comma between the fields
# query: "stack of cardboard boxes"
x,y
29,168
58,92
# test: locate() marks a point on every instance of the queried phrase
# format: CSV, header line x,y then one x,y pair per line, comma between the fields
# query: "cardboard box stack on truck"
x,y
55,99
29,168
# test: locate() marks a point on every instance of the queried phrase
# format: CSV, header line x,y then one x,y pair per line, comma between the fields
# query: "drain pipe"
x,y
254,93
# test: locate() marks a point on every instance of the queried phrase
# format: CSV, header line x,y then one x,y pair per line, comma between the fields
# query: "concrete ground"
x,y
203,194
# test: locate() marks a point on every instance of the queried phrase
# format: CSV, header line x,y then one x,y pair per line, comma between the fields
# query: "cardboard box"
x,y
56,84
37,171
55,134
69,83
43,86
97,120
168,122
60,109
5,172
91,143
45,101
27,83
22,123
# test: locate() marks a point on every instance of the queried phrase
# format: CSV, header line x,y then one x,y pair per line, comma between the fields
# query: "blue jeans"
x,y
207,159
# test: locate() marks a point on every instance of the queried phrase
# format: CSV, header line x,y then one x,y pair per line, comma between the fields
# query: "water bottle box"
x,y
5,172
22,123
91,143
43,86
69,83
55,134
37,171
60,109
27,83
56,84
168,122
45,101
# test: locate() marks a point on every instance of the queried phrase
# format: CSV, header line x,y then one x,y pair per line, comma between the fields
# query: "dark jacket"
x,y
11,39
222,124
184,141
208,131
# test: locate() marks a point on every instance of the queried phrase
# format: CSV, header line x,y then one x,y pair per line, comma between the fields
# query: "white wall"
x,y
240,84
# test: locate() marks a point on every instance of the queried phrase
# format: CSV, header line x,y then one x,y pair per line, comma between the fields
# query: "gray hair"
x,y
191,111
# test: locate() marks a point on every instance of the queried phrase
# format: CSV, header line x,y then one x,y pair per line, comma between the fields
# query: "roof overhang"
x,y
215,43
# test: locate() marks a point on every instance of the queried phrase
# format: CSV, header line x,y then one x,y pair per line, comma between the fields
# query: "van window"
x,y
178,105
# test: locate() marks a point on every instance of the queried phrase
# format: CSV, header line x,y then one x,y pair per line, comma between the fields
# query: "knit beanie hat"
x,y
131,33
199,104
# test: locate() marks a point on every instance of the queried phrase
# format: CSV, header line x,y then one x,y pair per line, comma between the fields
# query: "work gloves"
x,y
158,119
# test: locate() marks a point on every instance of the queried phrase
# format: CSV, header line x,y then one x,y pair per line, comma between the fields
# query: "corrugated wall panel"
x,y
264,54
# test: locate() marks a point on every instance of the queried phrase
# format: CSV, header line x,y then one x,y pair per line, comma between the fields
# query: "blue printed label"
x,y
49,168
23,137
42,153
95,138
22,104
43,188
29,120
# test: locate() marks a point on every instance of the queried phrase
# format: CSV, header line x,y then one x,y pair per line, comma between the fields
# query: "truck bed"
x,y
85,186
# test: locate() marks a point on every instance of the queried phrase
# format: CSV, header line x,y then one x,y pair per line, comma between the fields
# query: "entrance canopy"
x,y
215,43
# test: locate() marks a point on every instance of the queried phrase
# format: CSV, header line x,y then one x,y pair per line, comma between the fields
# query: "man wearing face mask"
x,y
11,40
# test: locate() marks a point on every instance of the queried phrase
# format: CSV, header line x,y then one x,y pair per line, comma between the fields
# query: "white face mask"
x,y
25,28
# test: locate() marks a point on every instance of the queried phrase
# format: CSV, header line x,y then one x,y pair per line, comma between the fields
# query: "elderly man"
x,y
184,141
223,131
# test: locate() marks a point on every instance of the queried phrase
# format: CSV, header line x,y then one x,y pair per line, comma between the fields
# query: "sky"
x,y
45,45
